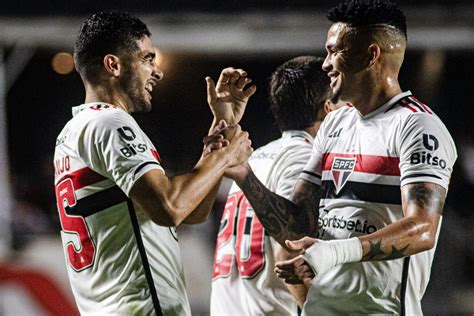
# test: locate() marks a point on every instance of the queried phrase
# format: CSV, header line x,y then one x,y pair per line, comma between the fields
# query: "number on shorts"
x,y
240,240
81,255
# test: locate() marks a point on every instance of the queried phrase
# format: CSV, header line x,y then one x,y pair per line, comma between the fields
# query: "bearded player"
x,y
117,207
374,189
243,280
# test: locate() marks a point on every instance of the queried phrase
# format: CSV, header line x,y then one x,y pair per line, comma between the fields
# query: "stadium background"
x,y
199,38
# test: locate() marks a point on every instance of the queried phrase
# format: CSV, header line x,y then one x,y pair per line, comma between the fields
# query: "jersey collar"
x,y
79,108
386,105
298,133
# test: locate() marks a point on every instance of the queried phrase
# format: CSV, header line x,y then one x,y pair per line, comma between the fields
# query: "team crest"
x,y
341,170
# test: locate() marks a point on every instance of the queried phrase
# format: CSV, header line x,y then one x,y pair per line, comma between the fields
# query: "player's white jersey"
x,y
361,162
243,281
119,262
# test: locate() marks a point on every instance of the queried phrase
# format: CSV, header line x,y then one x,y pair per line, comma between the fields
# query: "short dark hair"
x,y
298,88
105,32
357,13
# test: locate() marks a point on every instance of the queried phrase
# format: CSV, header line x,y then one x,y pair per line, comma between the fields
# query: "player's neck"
x,y
376,94
102,94
313,130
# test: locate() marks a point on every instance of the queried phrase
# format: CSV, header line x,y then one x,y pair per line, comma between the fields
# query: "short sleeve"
x,y
291,168
114,146
313,170
427,151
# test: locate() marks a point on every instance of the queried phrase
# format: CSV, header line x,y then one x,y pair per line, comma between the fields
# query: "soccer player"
x,y
243,279
117,207
379,172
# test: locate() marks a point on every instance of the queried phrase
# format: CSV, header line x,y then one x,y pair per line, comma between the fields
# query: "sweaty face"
x,y
345,61
140,75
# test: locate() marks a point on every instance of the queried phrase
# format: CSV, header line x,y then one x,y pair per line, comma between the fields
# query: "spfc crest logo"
x,y
341,170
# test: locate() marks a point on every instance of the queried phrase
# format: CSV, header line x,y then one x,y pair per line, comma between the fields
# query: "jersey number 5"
x,y
241,236
80,254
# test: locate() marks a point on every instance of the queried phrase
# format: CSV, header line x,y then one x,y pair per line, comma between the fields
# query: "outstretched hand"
x,y
296,270
228,99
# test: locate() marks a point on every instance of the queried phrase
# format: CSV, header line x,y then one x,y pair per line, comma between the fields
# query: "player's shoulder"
x,y
409,107
105,118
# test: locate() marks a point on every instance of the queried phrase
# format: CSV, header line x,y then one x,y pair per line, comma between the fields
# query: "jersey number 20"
x,y
81,254
240,240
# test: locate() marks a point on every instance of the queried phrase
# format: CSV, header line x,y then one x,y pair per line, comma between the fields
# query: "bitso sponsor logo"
x,y
126,133
133,149
341,170
130,149
431,143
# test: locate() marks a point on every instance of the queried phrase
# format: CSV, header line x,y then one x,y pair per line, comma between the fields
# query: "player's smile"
x,y
333,75
150,84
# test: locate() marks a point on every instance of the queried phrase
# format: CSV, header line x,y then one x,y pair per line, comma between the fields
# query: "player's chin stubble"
x,y
130,84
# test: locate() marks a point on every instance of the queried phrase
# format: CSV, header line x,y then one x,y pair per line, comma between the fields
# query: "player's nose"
x,y
157,73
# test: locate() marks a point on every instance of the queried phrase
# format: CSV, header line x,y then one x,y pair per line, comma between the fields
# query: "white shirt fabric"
x,y
243,279
110,244
361,162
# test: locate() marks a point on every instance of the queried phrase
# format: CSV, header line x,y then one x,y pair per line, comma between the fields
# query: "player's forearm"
x,y
403,238
196,190
281,218
202,211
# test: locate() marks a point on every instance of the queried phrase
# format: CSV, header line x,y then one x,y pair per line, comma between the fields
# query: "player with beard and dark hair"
x,y
117,207
370,199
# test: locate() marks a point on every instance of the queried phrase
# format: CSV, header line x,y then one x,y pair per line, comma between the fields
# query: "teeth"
x,y
149,87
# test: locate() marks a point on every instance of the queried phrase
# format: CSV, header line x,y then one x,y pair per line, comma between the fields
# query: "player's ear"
x,y
112,65
373,54
328,106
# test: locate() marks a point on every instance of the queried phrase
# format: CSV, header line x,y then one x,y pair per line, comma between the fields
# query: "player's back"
x,y
118,260
243,279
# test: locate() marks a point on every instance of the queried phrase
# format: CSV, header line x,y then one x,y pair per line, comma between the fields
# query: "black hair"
x,y
297,90
358,13
105,32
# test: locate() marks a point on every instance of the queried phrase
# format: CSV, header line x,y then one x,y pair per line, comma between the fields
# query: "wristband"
x,y
325,255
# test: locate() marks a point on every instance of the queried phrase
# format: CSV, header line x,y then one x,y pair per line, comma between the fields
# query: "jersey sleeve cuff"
x,y
141,170
311,177
424,177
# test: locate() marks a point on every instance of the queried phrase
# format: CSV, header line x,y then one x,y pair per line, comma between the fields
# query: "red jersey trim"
x,y
382,165
406,105
415,100
83,177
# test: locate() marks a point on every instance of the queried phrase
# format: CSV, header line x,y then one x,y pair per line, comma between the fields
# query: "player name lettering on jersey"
x,y
61,165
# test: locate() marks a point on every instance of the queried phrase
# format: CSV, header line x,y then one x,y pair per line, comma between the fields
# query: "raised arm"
x,y
228,99
227,102
169,201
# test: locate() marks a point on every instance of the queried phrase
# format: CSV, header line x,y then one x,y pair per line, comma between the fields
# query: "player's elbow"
x,y
161,212
428,241
428,234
